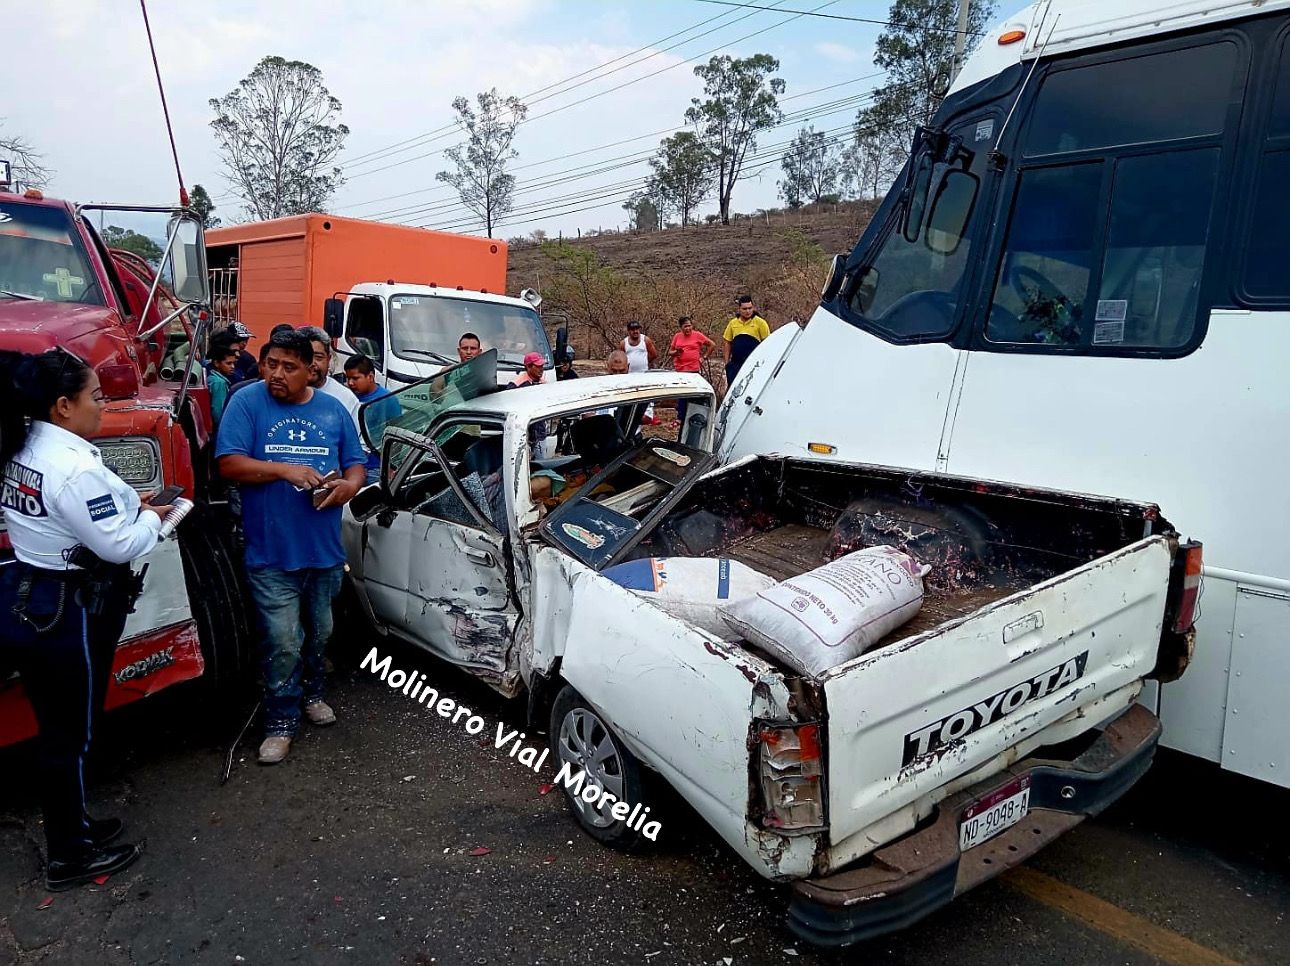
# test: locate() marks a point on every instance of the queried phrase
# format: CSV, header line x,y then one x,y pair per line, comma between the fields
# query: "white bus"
x,y
1081,281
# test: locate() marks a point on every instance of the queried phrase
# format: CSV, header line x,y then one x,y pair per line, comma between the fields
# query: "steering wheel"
x,y
1019,274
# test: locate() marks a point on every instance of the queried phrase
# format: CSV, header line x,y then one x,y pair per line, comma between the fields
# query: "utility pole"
x,y
960,38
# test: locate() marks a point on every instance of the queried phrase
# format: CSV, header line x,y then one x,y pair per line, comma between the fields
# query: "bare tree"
x,y
26,163
742,99
481,179
278,134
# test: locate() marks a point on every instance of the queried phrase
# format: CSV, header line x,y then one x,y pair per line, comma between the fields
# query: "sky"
x,y
89,103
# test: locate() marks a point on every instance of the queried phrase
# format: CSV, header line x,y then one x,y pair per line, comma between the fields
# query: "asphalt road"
x,y
358,850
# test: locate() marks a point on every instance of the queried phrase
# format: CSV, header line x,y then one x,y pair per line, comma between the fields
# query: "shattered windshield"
x,y
41,256
421,324
416,406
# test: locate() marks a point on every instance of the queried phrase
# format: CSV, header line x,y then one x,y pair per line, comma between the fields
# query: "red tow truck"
x,y
141,327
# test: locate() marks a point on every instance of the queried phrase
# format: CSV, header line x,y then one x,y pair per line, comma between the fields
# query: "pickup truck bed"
x,y
794,548
984,541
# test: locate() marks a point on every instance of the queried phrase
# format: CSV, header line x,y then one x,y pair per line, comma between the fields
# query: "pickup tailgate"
x,y
907,722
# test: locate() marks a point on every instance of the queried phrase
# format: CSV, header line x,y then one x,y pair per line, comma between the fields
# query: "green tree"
x,y
683,174
200,201
811,167
481,179
916,50
644,211
741,98
278,134
131,241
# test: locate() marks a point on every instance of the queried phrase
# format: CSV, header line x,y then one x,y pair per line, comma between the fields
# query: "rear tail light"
x,y
1188,589
791,770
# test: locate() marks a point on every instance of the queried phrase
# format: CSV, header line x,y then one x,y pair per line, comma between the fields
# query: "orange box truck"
x,y
408,294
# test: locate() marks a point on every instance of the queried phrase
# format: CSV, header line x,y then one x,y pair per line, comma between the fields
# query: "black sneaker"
x,y
68,875
105,830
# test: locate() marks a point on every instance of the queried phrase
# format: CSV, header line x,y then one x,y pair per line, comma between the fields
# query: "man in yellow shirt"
x,y
743,334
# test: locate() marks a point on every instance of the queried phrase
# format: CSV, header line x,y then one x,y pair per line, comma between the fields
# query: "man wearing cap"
x,y
640,350
247,365
534,366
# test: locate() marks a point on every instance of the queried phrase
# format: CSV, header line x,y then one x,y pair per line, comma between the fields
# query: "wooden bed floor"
x,y
793,549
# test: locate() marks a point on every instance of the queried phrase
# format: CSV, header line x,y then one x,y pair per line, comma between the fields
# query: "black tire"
x,y
218,596
577,734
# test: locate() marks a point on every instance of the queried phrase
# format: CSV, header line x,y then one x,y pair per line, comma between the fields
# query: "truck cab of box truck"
x,y
412,331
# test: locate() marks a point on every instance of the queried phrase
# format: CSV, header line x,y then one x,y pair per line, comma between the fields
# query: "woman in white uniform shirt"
x,y
54,628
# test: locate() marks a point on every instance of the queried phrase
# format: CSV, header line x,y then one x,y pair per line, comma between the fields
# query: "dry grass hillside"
x,y
600,281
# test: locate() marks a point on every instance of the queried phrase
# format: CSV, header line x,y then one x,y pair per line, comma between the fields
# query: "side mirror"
x,y
561,343
334,317
188,259
950,211
366,502
833,284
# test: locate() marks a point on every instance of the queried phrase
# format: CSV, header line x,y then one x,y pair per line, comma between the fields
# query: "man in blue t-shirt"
x,y
360,376
297,458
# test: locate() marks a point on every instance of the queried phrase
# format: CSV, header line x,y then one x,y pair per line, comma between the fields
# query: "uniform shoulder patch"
x,y
101,507
23,491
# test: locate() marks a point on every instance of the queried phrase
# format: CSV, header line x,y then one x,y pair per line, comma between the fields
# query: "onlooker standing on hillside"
x,y
640,350
278,441
743,334
690,349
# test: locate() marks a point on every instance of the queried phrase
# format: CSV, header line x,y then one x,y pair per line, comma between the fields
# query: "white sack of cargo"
x,y
832,613
690,588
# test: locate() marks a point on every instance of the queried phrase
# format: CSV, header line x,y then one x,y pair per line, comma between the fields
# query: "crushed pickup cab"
x,y
1002,715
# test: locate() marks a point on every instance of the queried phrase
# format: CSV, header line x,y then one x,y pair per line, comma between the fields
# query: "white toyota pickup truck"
x,y
998,718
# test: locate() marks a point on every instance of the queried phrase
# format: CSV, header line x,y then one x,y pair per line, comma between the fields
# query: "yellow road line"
x,y
1113,921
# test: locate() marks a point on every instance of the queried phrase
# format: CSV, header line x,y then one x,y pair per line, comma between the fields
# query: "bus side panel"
x,y
271,285
875,402
1189,434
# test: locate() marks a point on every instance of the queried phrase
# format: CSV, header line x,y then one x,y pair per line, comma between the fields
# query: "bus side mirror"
x,y
334,317
950,211
561,342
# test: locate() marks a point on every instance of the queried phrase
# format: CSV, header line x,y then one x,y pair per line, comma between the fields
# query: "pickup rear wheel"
x,y
582,740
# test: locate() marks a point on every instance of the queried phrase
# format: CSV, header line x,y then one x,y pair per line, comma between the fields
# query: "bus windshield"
x,y
41,256
911,288
421,324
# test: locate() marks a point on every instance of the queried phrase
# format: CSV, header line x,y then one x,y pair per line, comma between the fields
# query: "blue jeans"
x,y
294,609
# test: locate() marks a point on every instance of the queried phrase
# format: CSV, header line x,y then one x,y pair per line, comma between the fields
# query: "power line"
x,y
624,161
426,137
550,207
611,144
451,128
599,94
838,16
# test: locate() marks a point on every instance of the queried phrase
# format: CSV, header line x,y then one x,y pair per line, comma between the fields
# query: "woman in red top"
x,y
690,347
